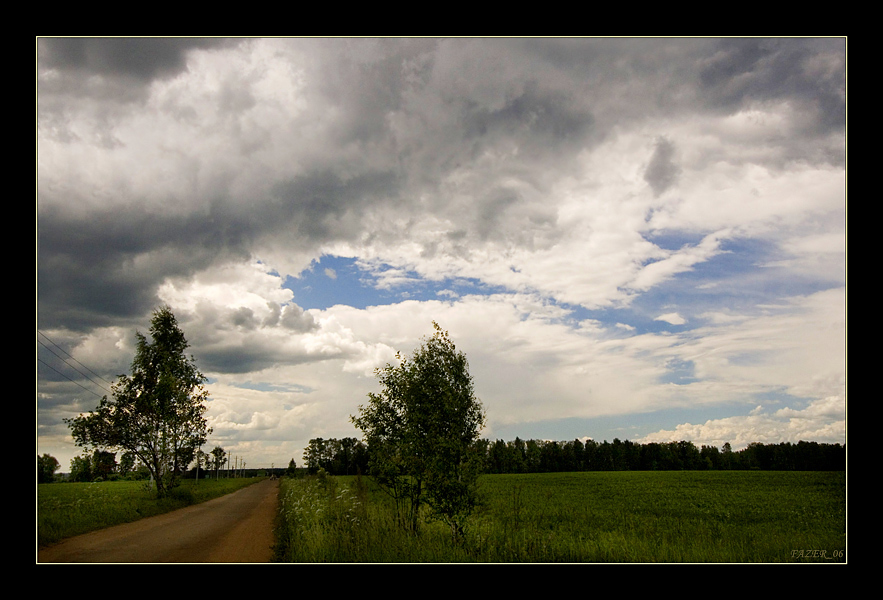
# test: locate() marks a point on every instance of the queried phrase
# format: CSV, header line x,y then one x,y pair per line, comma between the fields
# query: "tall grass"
x,y
68,509
348,519
623,517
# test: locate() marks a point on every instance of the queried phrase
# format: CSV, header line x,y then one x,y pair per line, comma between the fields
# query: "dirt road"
x,y
236,528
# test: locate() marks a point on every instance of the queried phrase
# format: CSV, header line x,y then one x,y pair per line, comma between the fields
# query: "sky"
x,y
633,238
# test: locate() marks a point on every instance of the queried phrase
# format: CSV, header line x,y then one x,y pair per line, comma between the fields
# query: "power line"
x,y
68,378
71,366
72,358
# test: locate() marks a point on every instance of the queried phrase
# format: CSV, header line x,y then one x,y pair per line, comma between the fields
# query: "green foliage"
x,y
127,464
46,467
420,429
543,456
347,456
315,455
218,459
81,469
157,413
104,464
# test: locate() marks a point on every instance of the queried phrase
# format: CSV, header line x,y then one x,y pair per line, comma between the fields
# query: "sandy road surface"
x,y
236,528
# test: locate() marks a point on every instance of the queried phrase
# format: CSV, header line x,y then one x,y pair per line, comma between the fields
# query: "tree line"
x,y
539,456
349,456
102,465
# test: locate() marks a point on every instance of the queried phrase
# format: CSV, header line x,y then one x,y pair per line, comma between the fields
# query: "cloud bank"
x,y
609,228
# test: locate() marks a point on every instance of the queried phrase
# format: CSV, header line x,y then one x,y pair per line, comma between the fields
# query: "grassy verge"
x,y
68,509
623,517
347,519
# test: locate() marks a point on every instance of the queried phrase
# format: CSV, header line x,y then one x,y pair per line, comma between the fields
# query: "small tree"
x,y
158,412
219,459
419,430
46,467
81,469
316,456
104,464
127,463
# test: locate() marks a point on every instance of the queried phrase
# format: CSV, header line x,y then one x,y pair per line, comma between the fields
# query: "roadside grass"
x,y
619,517
68,509
348,519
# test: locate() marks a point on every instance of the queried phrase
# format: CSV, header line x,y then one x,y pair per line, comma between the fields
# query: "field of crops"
x,y
68,509
620,517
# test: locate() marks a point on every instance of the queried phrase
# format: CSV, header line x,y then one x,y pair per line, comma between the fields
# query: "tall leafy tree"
x,y
157,412
420,429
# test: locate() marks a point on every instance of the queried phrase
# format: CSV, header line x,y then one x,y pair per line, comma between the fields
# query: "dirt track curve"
x,y
236,528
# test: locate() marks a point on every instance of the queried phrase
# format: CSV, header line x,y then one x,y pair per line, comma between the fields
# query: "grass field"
x,y
68,509
620,517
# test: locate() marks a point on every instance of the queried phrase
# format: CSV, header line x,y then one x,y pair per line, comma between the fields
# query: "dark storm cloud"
x,y
396,118
543,121
249,357
250,354
662,172
365,79
810,72
108,266
682,75
140,58
97,270
108,261
323,206
102,77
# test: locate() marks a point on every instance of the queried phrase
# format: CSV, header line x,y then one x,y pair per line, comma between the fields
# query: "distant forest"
x,y
349,456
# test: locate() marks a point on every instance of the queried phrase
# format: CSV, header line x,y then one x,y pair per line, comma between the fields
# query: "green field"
x,y
620,517
68,509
